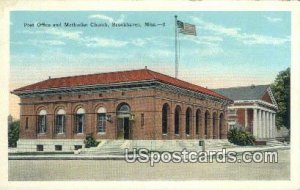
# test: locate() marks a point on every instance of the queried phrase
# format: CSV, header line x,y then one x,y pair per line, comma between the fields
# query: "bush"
x,y
240,137
13,133
90,142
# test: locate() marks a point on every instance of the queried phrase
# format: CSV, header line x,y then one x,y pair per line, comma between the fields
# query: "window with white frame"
x,y
101,120
42,121
79,120
60,121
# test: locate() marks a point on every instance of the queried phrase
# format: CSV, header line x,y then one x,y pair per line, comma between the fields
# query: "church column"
x,y
271,125
258,123
267,125
274,126
254,127
263,124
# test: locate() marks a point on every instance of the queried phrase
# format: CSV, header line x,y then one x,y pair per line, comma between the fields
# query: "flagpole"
x,y
176,56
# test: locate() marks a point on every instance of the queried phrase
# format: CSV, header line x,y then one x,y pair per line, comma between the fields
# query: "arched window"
x,y
188,116
42,118
79,120
207,116
124,108
101,120
165,118
177,119
215,129
221,125
198,121
60,119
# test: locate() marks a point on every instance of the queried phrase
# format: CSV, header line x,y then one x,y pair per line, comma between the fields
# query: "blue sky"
x,y
230,49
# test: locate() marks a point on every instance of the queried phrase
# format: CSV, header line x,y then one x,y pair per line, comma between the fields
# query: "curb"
x,y
117,157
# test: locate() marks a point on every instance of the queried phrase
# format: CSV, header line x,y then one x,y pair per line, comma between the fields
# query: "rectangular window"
x,y
60,124
101,122
26,123
142,120
41,123
39,147
58,147
79,123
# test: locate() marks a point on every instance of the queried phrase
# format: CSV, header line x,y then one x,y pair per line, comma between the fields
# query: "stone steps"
x,y
119,146
218,144
274,142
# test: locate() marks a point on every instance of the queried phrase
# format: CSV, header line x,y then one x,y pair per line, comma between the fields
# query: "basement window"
x,y
58,147
39,147
77,147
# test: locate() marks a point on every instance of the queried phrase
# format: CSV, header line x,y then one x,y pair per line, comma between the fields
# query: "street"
x,y
78,170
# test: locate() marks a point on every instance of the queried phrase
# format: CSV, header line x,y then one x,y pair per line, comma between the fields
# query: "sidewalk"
x,y
239,150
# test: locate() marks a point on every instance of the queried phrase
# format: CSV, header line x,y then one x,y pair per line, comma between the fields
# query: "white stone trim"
x,y
272,97
30,145
101,110
257,101
61,112
251,107
43,112
80,111
255,132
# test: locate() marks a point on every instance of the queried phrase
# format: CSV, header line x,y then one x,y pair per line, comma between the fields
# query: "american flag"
x,y
186,28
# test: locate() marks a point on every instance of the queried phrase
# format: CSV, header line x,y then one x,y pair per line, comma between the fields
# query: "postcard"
x,y
107,95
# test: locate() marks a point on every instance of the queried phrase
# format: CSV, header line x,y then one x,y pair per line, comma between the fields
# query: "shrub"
x,y
13,133
90,142
240,137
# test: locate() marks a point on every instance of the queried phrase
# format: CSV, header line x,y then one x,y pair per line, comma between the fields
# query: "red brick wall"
x,y
266,97
241,117
147,101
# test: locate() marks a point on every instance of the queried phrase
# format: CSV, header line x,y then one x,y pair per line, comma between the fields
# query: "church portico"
x,y
254,109
263,124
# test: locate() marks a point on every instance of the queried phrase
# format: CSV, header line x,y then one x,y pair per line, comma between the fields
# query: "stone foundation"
x,y
48,145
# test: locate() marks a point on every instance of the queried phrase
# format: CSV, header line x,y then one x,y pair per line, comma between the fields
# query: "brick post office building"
x,y
137,104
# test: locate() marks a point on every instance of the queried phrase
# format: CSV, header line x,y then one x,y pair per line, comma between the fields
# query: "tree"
x,y
281,90
13,133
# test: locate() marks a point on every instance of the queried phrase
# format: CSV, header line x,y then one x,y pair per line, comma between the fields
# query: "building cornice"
x,y
257,102
120,87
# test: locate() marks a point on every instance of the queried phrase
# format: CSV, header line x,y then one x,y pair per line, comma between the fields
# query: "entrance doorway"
x,y
124,131
124,126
